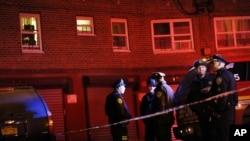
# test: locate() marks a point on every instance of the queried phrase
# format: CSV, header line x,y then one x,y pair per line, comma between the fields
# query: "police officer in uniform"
x,y
146,108
163,101
199,90
224,107
116,109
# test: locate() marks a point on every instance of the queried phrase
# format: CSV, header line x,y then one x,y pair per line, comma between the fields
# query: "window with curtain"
x,y
232,32
172,35
30,33
84,26
119,35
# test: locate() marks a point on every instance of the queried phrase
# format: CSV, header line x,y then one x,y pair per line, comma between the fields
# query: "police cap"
x,y
218,57
151,82
200,63
157,75
118,83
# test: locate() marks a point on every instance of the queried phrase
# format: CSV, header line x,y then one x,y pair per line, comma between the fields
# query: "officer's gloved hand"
x,y
206,89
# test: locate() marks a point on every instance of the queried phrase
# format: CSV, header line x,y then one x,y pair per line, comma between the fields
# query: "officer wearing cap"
x,y
224,107
200,89
146,108
162,84
116,109
163,101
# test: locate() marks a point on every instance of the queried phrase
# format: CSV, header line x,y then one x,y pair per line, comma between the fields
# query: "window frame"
x,y
31,48
92,33
125,35
233,32
172,35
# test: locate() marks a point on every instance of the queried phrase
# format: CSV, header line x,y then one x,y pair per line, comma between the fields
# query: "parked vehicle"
x,y
24,115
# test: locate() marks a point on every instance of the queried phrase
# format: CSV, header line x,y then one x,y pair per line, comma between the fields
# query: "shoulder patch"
x,y
119,100
158,94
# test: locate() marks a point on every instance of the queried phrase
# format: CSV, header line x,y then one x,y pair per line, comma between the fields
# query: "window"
x,y
119,35
172,35
232,32
84,26
30,33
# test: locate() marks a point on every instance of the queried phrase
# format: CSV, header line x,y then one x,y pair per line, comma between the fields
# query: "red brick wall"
x,y
65,50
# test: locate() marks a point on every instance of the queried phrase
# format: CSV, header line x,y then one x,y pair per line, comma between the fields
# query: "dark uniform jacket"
x,y
197,93
163,101
146,107
224,81
116,108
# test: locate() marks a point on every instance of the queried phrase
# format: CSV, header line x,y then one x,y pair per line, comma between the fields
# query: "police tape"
x,y
161,112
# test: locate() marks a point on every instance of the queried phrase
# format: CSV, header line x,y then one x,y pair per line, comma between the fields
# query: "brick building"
x,y
72,50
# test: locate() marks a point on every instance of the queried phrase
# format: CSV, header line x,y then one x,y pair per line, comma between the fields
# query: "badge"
x,y
158,94
218,80
210,83
218,89
119,100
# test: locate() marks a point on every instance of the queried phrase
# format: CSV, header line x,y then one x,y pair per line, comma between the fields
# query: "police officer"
x,y
146,108
224,107
199,90
116,109
163,101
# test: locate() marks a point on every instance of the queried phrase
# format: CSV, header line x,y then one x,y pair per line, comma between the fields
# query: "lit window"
x,y
30,33
232,32
172,35
119,35
84,26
